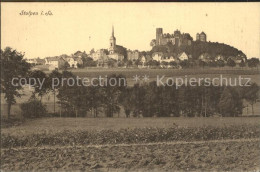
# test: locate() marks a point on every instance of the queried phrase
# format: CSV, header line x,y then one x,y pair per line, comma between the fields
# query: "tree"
x,y
126,101
253,62
242,64
202,63
230,103
129,63
251,95
92,51
231,63
153,43
89,62
13,66
54,81
220,63
33,109
112,93
184,63
173,64
165,64
41,86
111,62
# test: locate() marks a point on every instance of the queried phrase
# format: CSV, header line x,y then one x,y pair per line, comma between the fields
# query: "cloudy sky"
x,y
83,26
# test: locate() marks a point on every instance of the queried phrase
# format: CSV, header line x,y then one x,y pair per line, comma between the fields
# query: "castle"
x,y
177,38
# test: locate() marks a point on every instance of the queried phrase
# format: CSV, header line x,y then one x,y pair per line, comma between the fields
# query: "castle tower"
x,y
159,33
112,42
203,37
198,37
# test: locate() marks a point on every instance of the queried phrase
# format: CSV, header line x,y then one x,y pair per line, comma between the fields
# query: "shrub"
x,y
33,109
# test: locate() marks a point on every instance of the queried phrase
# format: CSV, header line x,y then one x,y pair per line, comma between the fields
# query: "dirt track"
x,y
243,154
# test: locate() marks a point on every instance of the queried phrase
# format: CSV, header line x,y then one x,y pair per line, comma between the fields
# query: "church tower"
x,y
112,42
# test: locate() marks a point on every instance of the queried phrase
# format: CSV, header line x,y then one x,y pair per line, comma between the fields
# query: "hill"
x,y
197,48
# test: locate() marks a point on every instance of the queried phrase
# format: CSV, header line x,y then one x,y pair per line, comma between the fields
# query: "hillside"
x,y
197,48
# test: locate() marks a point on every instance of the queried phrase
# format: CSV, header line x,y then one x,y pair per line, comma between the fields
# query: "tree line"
x,y
149,99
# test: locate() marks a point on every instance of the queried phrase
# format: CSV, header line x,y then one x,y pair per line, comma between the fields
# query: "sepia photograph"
x,y
130,86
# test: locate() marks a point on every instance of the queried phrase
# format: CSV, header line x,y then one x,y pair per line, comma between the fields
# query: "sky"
x,y
83,26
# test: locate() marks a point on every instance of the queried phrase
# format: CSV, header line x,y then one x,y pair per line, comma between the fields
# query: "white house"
x,y
169,59
205,57
183,56
157,56
55,62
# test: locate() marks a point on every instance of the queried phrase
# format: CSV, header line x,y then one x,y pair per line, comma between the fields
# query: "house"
x,y
169,59
205,57
55,62
102,61
99,54
157,56
116,56
220,57
236,59
143,60
132,55
148,58
73,63
31,61
183,56
40,61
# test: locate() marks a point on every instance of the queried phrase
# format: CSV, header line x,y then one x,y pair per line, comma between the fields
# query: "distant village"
x,y
119,56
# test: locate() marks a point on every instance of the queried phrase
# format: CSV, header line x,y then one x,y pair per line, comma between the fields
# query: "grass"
x,y
97,124
167,72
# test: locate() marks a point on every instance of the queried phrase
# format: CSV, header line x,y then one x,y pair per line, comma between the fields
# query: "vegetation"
x,y
138,135
197,48
33,109
12,66
149,99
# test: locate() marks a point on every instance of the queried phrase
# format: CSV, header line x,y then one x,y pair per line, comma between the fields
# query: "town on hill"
x,y
177,50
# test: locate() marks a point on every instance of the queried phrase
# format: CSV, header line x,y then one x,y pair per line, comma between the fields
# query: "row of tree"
x,y
149,99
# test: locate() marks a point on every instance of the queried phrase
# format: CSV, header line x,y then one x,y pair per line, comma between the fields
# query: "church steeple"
x,y
113,31
112,42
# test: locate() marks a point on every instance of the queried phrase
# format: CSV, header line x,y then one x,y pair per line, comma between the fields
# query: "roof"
x,y
56,58
40,60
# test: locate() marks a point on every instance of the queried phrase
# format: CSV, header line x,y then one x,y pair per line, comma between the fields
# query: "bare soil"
x,y
199,156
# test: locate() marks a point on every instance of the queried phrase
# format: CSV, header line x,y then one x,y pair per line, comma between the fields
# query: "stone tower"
x,y
159,33
112,40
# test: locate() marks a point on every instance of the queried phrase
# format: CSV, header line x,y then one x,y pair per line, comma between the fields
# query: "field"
x,y
132,144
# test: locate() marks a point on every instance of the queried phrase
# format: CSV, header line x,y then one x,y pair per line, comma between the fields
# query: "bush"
x,y
33,109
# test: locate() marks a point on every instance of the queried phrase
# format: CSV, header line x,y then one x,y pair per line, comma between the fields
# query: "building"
x,y
74,62
157,56
177,38
115,51
112,42
99,54
55,62
201,37
205,57
116,56
183,56
132,55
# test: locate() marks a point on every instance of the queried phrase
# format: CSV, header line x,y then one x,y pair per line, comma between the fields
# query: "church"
x,y
116,52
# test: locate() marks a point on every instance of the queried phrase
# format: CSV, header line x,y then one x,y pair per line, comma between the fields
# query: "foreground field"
x,y
232,155
121,144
